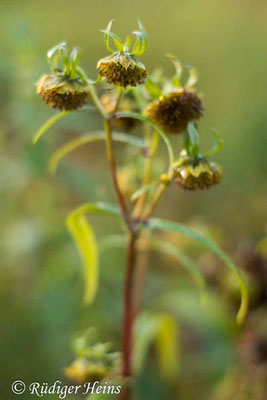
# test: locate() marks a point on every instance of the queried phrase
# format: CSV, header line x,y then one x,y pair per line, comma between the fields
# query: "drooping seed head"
x,y
196,173
172,112
122,69
62,93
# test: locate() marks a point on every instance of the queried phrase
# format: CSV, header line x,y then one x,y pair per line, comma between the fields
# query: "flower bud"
x,y
196,173
172,112
122,69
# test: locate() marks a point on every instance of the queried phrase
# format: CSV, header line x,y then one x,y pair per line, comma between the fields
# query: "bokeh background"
x,y
41,276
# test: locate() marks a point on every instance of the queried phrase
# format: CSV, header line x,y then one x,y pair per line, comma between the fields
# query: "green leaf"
x,y
179,70
117,41
218,145
184,260
84,237
160,331
191,142
143,118
142,190
153,89
212,246
56,49
141,40
89,138
193,77
127,44
48,125
167,347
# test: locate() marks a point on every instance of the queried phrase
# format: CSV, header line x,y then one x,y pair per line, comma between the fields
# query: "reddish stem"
x,y
127,328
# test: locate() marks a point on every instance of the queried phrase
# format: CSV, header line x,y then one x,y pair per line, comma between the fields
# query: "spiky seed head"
x,y
196,173
58,91
122,69
172,112
126,104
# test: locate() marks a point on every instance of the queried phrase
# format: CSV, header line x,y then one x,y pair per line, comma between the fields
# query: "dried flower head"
x,y
61,92
172,112
196,173
66,88
126,104
121,67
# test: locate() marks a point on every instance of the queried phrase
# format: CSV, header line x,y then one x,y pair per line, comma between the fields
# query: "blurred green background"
x,y
41,279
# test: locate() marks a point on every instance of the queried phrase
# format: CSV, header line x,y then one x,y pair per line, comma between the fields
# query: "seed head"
x,y
172,112
196,173
122,69
58,91
126,104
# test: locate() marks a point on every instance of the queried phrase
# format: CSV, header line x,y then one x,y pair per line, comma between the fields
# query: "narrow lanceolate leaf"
x,y
48,125
218,145
193,77
117,41
143,190
84,237
156,223
89,138
184,260
161,332
167,347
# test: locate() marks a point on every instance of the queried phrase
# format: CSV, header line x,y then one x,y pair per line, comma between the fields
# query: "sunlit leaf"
x,y
212,246
48,125
161,331
84,237
141,40
193,77
167,347
55,49
179,70
117,41
89,138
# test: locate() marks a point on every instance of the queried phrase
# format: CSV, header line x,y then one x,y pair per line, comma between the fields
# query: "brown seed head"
x,y
61,92
122,69
173,111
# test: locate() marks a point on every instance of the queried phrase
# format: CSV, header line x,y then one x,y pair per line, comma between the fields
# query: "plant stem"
x,y
97,102
147,174
155,201
129,315
112,165
141,269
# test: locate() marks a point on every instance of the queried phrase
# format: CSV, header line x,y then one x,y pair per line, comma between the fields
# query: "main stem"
x,y
128,322
113,171
128,306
